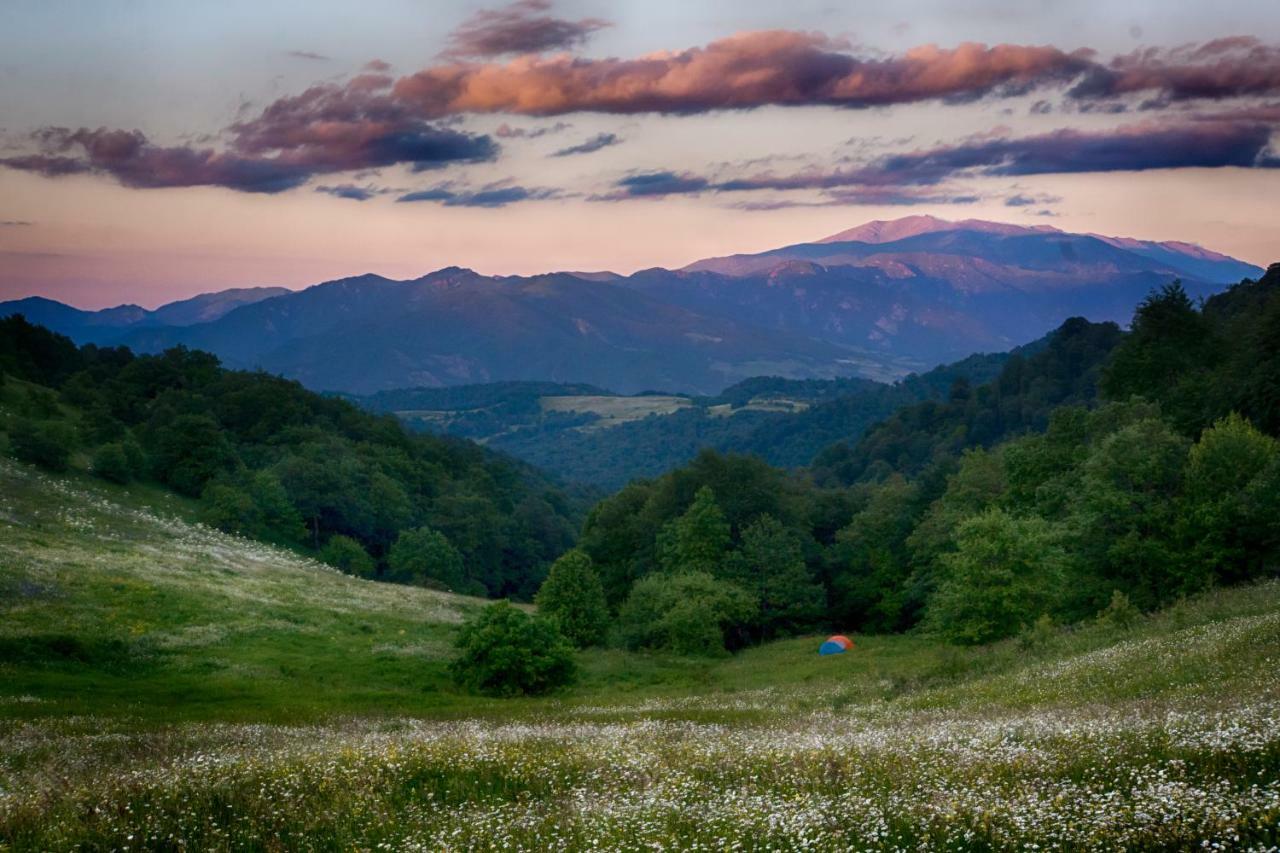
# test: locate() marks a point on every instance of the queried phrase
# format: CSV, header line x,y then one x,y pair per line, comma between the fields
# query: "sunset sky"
x,y
153,150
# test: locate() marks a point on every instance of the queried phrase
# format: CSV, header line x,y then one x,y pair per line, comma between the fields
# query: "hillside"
x,y
267,458
210,692
116,598
586,435
879,302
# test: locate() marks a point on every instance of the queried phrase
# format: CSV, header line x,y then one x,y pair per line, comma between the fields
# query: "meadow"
x,y
165,686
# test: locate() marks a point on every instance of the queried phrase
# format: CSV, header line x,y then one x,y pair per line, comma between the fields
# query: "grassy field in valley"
x,y
164,686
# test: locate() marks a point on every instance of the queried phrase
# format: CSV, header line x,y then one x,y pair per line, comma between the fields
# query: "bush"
x,y
426,556
1120,613
573,596
46,443
110,462
503,651
690,614
345,553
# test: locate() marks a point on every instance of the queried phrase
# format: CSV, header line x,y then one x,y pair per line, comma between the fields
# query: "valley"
x,y
213,692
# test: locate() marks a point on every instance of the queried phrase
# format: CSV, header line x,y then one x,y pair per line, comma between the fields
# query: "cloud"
x,y
743,71
506,131
1028,200
595,143
131,159
1197,143
337,128
491,195
1131,148
354,192
519,29
326,129
1231,67
306,54
656,185
872,196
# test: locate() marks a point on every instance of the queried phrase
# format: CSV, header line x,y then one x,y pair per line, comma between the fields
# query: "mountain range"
x,y
879,301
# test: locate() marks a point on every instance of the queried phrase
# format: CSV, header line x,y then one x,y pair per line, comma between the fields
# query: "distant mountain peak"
x,y
890,230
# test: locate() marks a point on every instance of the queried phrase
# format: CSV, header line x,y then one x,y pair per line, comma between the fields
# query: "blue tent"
x,y
831,647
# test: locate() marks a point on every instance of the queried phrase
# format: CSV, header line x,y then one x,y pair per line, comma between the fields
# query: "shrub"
x,y
345,553
690,614
427,557
110,462
503,651
1120,613
46,443
573,596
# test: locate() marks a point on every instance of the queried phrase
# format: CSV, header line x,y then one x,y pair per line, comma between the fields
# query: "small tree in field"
x,y
426,556
503,651
573,596
347,554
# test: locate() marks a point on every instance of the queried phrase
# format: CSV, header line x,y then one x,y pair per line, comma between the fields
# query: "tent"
x,y
835,645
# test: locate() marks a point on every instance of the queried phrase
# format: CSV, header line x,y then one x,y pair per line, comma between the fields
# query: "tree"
x,y
573,596
1231,514
691,614
503,651
425,556
697,541
1168,356
1127,515
191,450
1005,573
345,553
872,557
770,564
47,443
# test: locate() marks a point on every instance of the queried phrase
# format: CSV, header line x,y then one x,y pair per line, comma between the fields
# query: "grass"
x,y
164,686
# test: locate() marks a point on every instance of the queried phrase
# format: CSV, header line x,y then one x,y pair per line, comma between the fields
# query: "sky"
x,y
155,149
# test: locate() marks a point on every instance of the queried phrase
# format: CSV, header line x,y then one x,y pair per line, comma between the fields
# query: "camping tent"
x,y
835,645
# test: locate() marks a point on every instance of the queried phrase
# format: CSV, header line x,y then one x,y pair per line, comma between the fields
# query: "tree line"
x,y
269,459
1107,472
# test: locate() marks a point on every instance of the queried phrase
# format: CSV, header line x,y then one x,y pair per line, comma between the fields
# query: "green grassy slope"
x,y
164,686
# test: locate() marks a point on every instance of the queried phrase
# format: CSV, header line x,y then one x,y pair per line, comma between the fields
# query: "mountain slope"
x,y
879,301
111,324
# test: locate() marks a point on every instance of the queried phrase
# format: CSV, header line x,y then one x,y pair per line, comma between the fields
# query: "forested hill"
x,y
1110,473
1065,371
272,460
588,435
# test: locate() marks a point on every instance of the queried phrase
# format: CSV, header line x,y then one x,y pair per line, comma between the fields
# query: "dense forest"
x,y
272,460
1106,473
508,416
1098,472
